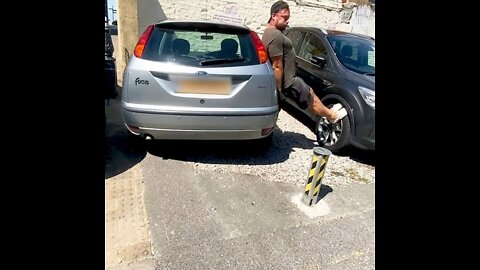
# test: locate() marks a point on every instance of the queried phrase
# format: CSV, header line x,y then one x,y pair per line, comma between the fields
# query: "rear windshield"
x,y
206,47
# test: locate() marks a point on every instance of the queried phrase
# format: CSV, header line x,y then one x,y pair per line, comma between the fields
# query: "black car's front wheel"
x,y
333,136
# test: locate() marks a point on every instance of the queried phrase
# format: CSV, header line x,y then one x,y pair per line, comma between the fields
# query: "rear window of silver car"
x,y
214,47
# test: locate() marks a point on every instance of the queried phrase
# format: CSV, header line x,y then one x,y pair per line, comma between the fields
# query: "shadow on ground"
x,y
250,152
362,156
324,190
358,155
120,153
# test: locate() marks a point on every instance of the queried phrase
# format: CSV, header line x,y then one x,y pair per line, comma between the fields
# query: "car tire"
x,y
334,137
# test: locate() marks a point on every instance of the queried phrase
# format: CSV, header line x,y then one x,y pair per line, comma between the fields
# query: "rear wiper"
x,y
370,73
221,61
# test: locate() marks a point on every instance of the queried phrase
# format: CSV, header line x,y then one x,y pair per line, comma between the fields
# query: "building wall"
x,y
149,12
363,20
127,34
135,15
254,14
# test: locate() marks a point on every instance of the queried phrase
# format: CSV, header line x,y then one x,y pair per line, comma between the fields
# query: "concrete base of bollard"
x,y
318,210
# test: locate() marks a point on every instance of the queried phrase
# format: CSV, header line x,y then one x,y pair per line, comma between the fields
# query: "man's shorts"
x,y
299,92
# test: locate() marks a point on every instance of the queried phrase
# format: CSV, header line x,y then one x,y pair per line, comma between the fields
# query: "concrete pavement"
x,y
167,213
205,220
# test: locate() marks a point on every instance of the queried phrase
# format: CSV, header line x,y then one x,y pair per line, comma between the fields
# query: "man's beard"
x,y
281,27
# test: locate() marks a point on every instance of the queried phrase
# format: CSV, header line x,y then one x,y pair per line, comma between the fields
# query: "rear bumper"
x,y
204,125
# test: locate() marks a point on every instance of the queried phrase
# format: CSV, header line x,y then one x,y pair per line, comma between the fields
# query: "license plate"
x,y
205,86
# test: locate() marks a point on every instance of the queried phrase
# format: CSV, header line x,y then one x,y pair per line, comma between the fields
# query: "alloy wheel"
x,y
328,133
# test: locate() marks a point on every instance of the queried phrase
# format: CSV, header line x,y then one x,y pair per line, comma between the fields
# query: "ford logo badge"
x,y
201,73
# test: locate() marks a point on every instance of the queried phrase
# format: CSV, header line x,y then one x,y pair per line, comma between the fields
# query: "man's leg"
x,y
304,96
320,109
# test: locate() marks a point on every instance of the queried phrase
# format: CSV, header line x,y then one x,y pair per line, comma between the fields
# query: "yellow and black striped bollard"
x,y
315,175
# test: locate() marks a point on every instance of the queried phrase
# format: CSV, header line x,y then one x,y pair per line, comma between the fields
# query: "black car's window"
x,y
312,46
356,54
295,36
201,48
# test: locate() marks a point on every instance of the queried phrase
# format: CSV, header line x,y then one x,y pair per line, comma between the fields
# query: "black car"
x,y
340,67
110,68
110,79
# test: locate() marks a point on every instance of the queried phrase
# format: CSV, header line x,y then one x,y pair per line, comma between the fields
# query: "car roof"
x,y
329,32
202,24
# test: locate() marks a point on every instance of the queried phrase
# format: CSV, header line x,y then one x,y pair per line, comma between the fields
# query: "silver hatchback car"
x,y
199,80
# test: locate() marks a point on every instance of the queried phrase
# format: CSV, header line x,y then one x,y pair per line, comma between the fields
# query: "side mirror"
x,y
319,61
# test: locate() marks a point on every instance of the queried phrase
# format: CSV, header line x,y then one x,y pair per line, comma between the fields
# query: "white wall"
x,y
363,20
253,13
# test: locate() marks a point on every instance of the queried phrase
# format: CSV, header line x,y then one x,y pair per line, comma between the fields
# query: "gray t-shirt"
x,y
276,43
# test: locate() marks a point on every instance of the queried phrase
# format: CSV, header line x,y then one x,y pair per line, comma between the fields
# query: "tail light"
x,y
262,54
143,41
135,130
266,131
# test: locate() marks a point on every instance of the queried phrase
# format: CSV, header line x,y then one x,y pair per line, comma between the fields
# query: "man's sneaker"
x,y
340,114
336,107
